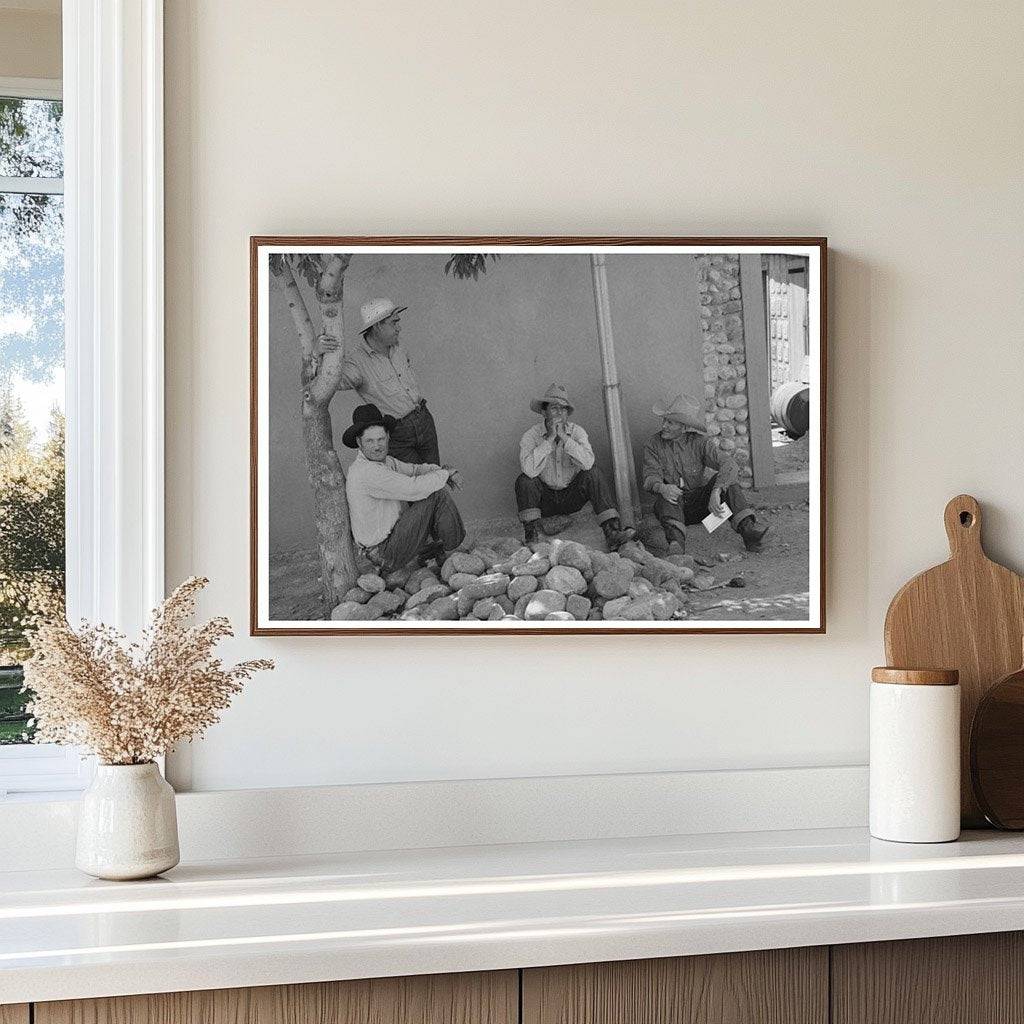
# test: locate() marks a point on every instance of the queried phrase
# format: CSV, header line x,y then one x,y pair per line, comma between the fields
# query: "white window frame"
x,y
44,767
114,334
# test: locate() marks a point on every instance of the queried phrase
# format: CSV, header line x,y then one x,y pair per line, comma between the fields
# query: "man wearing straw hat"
x,y
559,476
674,466
378,369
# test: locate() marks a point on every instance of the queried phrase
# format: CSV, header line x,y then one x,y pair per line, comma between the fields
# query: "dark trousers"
x,y
692,507
435,517
535,499
414,438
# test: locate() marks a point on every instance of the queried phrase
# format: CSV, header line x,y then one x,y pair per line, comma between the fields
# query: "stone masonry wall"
x,y
724,355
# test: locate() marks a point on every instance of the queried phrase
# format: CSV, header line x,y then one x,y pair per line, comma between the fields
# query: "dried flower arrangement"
x,y
130,703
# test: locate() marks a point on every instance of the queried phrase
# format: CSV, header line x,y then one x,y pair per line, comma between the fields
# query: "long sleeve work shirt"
x,y
386,381
378,493
683,462
555,464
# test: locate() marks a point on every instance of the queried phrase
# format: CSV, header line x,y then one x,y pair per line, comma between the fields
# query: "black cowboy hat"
x,y
363,417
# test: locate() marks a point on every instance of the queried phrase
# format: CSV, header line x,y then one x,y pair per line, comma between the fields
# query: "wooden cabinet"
x,y
482,998
962,979
775,986
969,979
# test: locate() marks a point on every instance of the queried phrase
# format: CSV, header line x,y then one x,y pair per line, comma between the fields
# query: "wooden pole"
x,y
617,435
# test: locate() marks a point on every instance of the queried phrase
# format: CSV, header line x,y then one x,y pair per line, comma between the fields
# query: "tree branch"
x,y
332,280
297,307
330,289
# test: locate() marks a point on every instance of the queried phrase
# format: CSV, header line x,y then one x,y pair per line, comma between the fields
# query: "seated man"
x,y
559,476
397,507
673,468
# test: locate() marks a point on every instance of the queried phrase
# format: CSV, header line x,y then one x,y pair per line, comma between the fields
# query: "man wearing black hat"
x,y
399,510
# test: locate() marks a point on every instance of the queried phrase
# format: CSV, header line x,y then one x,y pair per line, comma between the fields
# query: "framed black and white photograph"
x,y
537,435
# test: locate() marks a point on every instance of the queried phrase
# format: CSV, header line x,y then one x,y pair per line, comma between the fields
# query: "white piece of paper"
x,y
711,522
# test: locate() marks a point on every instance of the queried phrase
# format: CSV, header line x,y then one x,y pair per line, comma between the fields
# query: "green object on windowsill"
x,y
14,722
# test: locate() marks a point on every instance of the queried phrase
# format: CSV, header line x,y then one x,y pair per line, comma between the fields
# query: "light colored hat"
x,y
554,393
683,409
376,310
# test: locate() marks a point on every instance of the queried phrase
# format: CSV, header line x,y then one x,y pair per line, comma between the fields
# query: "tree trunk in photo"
x,y
320,381
330,290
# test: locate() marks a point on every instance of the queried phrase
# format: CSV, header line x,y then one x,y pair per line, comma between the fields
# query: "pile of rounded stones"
x,y
503,579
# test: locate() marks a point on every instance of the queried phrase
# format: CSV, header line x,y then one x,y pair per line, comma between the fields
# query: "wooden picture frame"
x,y
748,314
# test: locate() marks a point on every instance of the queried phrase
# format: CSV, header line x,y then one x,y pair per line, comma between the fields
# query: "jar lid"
x,y
916,676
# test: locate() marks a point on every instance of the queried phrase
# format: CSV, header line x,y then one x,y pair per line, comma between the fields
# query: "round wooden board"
x,y
997,752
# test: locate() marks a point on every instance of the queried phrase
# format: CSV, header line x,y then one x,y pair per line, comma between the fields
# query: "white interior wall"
x,y
895,129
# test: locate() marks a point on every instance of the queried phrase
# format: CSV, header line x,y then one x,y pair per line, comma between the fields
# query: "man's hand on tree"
x,y
326,343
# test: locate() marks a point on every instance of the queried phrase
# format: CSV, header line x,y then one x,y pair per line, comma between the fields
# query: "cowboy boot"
x,y
751,533
673,535
530,531
614,534
431,553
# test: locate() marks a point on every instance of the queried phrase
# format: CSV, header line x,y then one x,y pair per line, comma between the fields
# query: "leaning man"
x,y
378,369
559,476
400,511
676,461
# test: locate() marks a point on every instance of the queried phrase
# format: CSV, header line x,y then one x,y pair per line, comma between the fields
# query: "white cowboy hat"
x,y
683,409
555,393
376,310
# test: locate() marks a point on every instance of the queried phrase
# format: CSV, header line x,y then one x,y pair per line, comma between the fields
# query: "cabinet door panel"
x,y
960,979
480,998
777,986
14,1013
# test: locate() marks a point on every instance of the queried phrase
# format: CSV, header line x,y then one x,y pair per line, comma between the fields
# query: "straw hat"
x,y
555,393
683,409
376,310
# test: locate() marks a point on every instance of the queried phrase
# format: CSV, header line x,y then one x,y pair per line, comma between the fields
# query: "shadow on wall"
x,y
482,349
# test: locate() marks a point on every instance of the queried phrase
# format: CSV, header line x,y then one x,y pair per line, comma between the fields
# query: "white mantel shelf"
x,y
266,922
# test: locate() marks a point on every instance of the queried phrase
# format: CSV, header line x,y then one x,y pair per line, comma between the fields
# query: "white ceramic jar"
x,y
127,824
915,755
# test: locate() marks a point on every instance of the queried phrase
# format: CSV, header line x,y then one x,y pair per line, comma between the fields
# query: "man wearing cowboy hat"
x,y
559,476
378,369
399,510
674,465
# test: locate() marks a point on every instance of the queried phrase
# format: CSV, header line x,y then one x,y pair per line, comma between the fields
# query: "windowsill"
x,y
353,915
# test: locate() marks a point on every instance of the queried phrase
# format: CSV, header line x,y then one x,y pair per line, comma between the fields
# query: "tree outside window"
x,y
31,387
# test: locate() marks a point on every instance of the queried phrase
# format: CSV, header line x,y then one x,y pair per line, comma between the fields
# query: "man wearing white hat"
x,y
378,369
559,476
674,466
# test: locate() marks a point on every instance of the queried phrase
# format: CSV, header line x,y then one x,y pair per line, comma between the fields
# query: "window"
x,y
32,514
110,206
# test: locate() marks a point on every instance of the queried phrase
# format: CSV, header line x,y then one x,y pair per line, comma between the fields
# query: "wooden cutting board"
x,y
967,614
997,752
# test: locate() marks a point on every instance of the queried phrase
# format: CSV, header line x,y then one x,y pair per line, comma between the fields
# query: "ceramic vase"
x,y
127,825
